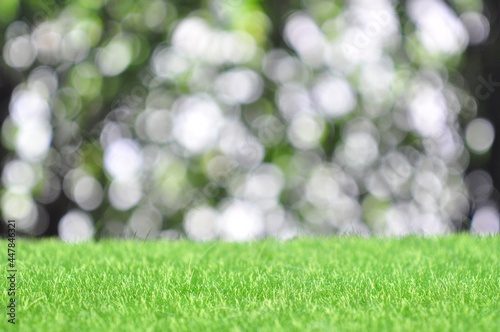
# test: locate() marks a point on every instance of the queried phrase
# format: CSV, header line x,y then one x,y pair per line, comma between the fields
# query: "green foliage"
x,y
303,110
8,9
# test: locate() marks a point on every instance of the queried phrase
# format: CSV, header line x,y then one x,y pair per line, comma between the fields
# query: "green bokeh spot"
x,y
8,10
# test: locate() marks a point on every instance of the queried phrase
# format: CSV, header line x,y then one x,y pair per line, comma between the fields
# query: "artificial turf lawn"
x,y
328,284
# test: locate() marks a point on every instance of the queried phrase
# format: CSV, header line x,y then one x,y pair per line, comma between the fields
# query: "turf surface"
x,y
329,284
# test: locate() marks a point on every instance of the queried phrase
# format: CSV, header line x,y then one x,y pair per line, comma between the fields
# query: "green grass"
x,y
329,284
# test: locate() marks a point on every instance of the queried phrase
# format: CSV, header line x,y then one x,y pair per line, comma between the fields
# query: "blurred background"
x,y
244,119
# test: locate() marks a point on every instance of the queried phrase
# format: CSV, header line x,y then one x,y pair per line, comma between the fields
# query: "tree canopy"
x,y
238,119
